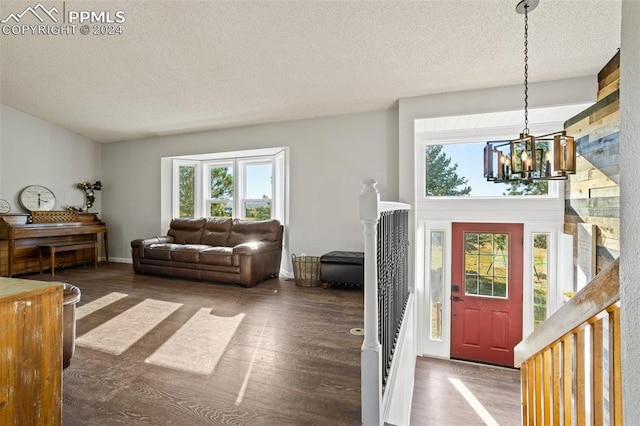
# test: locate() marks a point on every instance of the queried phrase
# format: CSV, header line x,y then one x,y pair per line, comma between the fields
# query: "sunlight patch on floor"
x,y
123,331
199,344
473,401
96,305
245,382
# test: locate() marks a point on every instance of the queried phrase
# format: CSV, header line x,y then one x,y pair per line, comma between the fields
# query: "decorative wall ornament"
x,y
89,195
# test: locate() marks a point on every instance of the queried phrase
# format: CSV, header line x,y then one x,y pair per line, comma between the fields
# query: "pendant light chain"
x,y
526,71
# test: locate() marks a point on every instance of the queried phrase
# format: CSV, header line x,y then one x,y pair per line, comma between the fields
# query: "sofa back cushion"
x,y
187,231
216,232
247,231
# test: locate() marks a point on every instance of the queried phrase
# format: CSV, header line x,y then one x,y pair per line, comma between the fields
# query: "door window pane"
x,y
436,282
540,274
471,242
471,283
486,264
187,191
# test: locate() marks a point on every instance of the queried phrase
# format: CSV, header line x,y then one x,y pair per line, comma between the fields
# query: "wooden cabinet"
x,y
30,352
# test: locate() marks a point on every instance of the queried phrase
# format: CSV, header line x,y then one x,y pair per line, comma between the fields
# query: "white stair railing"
x,y
388,351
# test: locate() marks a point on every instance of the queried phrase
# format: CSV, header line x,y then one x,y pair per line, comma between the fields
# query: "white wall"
x,y
629,201
36,152
329,158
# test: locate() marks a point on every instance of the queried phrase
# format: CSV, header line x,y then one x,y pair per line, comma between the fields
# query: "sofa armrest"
x,y
137,246
255,247
142,242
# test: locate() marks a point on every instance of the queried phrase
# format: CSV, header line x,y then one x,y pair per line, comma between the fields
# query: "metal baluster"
x,y
380,292
393,281
389,293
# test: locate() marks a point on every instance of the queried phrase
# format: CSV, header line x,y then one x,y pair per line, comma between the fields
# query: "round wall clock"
x,y
5,207
37,197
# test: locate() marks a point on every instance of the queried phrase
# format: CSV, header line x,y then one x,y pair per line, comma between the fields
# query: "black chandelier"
x,y
530,158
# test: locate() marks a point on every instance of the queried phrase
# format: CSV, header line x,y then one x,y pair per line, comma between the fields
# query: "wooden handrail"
x,y
598,295
566,362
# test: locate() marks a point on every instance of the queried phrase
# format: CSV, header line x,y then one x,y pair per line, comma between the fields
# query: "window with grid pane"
x,y
486,264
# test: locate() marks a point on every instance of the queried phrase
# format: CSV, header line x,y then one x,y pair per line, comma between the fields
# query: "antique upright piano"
x,y
21,234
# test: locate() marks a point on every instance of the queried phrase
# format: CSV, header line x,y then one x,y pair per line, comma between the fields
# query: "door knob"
x,y
456,299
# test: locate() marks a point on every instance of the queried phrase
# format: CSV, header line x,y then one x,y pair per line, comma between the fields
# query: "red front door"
x,y
486,291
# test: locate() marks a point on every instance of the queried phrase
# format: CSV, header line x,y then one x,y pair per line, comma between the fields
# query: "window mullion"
x,y
238,189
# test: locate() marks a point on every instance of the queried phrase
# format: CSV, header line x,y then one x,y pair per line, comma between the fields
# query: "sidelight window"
x,y
540,274
436,282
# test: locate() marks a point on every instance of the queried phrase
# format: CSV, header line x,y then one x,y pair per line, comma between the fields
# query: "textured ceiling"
x,y
181,66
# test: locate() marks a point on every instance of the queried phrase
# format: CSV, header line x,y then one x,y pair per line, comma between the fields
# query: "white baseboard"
x,y
117,259
286,274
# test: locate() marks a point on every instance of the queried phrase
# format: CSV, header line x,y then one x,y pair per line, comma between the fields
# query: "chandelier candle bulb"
x,y
523,166
547,163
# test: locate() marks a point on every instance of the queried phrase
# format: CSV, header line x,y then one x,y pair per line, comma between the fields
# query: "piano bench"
x,y
54,248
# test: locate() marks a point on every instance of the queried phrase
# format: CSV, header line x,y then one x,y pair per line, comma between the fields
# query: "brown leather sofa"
x,y
236,251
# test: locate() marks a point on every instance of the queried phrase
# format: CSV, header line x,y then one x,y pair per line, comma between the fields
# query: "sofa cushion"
x,y
217,256
216,232
189,253
187,231
247,231
160,251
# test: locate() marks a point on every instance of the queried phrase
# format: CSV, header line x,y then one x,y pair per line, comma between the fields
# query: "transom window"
x,y
486,264
457,170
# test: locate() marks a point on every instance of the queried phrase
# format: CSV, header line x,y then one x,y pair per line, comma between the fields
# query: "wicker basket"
x,y
306,270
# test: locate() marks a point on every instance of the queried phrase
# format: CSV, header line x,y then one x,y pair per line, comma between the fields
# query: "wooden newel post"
x,y
371,359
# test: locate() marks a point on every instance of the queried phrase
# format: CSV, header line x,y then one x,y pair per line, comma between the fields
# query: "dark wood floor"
x,y
293,348
436,401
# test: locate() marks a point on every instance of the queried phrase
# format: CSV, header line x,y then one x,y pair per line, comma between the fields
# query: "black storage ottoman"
x,y
342,267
